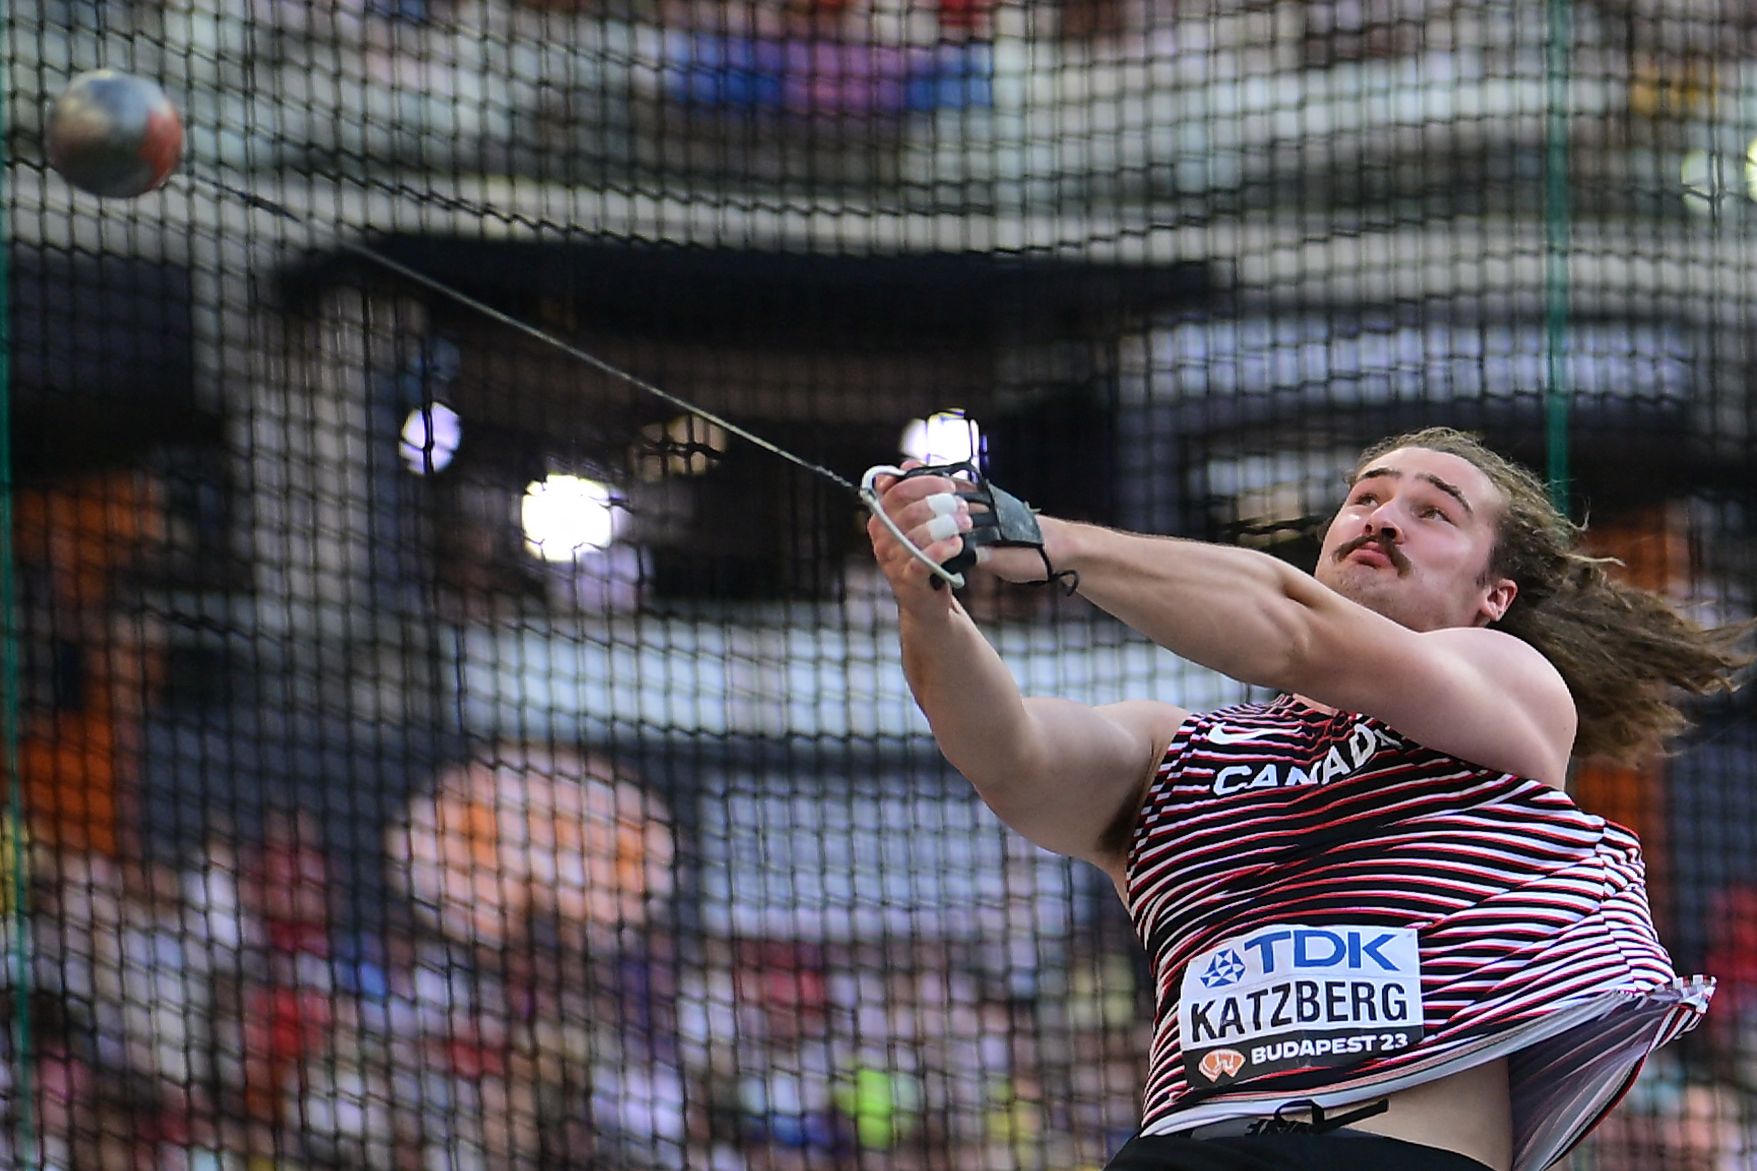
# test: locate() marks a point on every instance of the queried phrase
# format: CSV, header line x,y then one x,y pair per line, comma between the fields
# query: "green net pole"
x,y
1558,228
12,833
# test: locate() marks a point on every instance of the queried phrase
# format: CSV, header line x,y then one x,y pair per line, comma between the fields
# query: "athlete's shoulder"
x,y
1488,647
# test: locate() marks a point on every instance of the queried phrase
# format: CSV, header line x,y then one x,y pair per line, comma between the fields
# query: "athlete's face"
x,y
1412,541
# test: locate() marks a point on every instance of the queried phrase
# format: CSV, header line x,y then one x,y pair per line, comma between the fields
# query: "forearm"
x,y
1057,771
1237,611
970,699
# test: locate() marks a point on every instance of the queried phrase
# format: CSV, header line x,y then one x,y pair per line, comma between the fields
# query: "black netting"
x,y
436,750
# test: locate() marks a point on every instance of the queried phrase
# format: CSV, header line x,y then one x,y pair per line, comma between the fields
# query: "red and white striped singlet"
x,y
1335,913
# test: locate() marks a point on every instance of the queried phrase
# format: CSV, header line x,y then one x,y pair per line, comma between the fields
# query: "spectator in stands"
x,y
1732,957
288,1008
545,875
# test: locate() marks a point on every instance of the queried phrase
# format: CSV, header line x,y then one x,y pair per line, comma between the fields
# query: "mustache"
x,y
1388,548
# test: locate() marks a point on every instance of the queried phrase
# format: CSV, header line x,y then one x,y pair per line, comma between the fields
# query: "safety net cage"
x,y
452,715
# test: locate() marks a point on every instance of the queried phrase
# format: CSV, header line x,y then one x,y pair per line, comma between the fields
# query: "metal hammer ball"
x,y
111,133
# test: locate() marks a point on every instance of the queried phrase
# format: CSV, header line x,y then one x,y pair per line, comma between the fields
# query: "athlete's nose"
x,y
1382,528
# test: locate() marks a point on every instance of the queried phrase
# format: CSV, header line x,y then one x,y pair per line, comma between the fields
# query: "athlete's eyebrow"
x,y
1445,486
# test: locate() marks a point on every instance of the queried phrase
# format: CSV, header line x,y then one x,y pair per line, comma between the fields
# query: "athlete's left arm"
x,y
1478,694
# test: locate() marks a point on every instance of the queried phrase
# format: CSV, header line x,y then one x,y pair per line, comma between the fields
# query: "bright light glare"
x,y
431,436
948,437
1751,170
565,516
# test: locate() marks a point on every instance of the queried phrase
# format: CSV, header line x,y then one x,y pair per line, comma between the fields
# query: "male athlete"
x,y
1382,934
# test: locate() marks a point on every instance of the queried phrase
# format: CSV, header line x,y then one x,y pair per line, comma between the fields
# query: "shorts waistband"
x,y
1243,1127
1278,1123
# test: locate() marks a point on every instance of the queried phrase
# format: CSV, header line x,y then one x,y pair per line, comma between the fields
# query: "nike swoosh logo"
x,y
1222,736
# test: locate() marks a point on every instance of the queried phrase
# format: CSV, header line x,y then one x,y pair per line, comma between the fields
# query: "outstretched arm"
x,y
1063,774
1474,693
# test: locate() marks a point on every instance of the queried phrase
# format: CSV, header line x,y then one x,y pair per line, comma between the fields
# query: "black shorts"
x,y
1337,1150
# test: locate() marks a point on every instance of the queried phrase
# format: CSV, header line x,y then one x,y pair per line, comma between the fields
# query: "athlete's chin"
x,y
1378,593
1357,582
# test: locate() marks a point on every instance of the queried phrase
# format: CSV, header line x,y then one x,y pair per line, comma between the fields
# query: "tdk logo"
x,y
1303,948
1224,968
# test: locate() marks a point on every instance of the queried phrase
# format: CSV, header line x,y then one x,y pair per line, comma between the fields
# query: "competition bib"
x,y
1298,996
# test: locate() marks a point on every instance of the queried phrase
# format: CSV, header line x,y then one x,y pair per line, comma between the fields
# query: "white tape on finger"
x,y
943,503
941,527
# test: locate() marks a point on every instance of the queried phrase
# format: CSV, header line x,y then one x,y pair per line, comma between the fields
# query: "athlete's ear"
x,y
1498,600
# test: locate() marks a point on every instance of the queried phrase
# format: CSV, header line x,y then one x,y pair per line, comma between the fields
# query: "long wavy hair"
x,y
1627,654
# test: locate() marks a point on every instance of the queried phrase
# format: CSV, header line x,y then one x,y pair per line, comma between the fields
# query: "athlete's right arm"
x,y
1063,774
